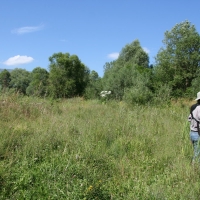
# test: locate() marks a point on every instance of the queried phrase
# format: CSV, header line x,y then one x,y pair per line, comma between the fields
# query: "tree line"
x,y
130,77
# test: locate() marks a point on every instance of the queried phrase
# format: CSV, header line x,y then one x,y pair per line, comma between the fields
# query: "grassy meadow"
x,y
77,149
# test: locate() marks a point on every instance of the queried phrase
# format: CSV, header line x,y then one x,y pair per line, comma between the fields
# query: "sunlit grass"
x,y
76,149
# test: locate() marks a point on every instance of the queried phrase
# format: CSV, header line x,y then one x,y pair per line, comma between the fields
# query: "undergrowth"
x,y
77,149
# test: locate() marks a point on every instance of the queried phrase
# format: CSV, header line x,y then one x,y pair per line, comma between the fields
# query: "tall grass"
x,y
76,149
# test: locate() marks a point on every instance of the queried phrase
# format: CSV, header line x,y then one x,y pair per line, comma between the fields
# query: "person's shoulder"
x,y
197,107
194,106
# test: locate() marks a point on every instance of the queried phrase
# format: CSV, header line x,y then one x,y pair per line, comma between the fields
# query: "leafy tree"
x,y
4,79
94,86
93,76
179,59
133,54
39,82
67,76
20,79
121,74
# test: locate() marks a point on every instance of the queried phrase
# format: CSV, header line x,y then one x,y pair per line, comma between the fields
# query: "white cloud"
x,y
146,50
113,55
18,60
27,29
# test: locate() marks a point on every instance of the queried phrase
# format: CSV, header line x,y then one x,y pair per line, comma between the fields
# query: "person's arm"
x,y
189,118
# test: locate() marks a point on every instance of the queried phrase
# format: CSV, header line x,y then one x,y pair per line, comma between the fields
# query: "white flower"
x,y
105,93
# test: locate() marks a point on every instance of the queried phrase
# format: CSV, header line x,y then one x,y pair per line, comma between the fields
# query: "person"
x,y
194,119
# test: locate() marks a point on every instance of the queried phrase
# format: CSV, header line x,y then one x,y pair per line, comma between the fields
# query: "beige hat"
x,y
198,96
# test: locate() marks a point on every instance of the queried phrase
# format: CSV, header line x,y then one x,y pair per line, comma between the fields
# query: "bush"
x,y
138,95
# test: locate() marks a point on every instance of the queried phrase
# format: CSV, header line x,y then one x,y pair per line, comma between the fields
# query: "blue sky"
x,y
94,30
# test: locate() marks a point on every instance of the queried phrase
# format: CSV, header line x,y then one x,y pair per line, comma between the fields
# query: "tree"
x,y
119,75
20,79
4,79
133,54
93,76
39,82
67,76
179,59
94,86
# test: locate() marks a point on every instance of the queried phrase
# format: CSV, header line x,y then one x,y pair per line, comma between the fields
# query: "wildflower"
x,y
90,188
105,93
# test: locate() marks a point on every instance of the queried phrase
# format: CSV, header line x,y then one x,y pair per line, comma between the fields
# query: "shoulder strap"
x,y
193,107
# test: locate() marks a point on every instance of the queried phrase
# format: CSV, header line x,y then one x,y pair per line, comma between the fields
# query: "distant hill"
x,y
6,69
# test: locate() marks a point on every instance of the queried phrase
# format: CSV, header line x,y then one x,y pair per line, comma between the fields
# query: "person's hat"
x,y
198,96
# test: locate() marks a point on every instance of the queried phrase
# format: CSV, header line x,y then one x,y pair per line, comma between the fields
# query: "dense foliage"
x,y
39,82
20,79
130,77
179,60
128,74
4,79
94,86
67,76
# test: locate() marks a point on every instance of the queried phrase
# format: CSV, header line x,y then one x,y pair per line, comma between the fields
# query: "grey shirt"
x,y
196,115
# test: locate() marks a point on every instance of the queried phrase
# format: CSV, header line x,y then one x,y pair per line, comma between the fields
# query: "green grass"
x,y
76,149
